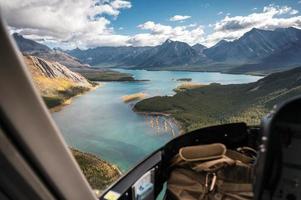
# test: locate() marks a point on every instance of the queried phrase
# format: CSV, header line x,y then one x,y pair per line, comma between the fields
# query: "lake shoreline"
x,y
105,75
183,70
94,166
68,101
110,81
177,123
96,84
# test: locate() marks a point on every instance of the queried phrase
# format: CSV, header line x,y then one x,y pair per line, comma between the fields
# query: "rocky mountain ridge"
x,y
257,51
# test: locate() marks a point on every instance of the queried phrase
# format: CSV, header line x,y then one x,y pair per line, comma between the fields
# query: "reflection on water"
x,y
162,124
101,123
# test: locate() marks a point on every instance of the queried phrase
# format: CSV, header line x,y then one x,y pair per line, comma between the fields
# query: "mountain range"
x,y
260,51
257,51
30,47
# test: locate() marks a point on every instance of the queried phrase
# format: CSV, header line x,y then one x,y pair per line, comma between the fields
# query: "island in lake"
x,y
96,74
184,79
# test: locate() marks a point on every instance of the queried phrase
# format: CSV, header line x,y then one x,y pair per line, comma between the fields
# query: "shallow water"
x,y
101,123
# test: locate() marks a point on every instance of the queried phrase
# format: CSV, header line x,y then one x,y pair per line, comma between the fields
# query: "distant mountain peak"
x,y
17,35
199,45
169,41
77,49
57,49
255,29
174,43
293,28
221,42
27,45
288,28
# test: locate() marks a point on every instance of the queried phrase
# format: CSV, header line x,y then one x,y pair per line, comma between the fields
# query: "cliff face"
x,y
53,70
55,82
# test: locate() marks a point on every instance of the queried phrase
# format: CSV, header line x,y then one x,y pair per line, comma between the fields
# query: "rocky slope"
x,y
55,82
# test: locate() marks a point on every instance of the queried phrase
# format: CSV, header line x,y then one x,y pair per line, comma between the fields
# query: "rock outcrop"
x,y
55,82
53,70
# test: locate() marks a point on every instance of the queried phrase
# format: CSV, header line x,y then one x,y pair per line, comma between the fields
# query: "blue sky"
x,y
90,23
203,12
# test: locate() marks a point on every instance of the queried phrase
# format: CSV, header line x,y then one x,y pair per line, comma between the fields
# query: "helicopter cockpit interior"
x,y
277,165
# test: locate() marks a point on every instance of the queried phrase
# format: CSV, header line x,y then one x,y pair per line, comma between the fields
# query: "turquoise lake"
x,y
99,121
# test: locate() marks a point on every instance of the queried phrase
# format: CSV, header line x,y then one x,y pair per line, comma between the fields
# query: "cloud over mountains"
x,y
88,23
270,17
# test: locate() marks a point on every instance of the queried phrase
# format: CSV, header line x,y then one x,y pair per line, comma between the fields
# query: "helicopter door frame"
x,y
30,138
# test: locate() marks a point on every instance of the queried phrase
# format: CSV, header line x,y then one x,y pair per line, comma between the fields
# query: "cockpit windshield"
x,y
122,78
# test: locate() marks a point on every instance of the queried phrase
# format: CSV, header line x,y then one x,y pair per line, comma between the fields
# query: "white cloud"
x,y
220,13
271,17
77,22
121,4
158,33
156,28
294,12
179,18
86,23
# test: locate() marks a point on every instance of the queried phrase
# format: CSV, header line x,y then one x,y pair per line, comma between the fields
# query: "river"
x,y
99,121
